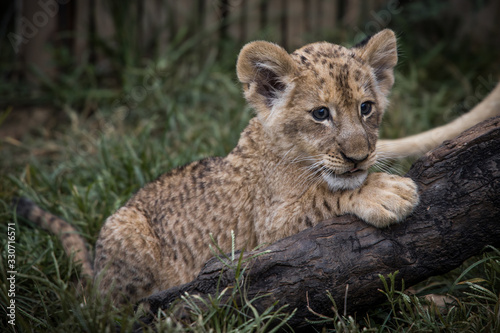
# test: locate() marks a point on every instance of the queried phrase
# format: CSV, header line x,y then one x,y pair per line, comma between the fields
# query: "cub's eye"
x,y
365,108
321,113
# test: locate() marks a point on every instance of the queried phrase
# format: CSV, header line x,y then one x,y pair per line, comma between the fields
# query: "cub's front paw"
x,y
384,199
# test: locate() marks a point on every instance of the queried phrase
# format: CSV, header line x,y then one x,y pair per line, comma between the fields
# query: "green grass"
x,y
472,305
161,113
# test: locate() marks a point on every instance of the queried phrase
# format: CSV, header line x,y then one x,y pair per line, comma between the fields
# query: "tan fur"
x,y
420,143
271,185
289,170
72,242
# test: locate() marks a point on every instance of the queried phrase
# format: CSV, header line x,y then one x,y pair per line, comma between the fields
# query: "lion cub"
x,y
304,158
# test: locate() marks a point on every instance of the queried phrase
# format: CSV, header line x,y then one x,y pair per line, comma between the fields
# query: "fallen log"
x,y
458,215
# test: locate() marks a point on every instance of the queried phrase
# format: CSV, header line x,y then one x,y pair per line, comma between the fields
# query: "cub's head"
x,y
322,105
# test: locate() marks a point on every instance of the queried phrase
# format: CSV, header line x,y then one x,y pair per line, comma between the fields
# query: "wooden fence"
x,y
79,24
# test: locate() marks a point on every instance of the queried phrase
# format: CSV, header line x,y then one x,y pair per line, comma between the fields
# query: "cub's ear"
x,y
265,70
380,52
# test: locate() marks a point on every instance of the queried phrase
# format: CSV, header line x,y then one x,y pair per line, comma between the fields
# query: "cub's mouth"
x,y
342,175
348,180
353,171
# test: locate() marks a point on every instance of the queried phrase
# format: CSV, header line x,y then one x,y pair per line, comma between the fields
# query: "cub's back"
x,y
166,225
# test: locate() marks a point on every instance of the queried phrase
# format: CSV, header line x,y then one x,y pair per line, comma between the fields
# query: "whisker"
x,y
307,158
387,167
285,156
312,170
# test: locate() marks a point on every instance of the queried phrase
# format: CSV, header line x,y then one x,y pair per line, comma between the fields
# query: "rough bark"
x,y
458,215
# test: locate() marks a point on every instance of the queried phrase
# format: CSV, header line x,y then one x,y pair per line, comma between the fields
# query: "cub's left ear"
x,y
265,70
381,53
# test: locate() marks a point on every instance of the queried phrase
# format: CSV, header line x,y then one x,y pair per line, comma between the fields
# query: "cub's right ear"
x,y
265,70
381,53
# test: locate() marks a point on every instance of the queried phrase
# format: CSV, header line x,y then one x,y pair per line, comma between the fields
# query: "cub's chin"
x,y
346,181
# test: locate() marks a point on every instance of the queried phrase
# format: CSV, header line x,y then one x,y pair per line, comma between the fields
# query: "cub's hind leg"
x,y
128,262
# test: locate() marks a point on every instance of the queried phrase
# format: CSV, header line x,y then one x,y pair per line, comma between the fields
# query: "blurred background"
x,y
89,53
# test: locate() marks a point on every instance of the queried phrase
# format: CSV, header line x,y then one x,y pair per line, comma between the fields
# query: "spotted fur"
x,y
289,170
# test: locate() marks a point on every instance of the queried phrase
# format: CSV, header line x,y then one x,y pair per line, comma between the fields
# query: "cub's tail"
x,y
73,243
419,144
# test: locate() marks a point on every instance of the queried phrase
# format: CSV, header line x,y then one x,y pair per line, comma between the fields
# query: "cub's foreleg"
x,y
381,200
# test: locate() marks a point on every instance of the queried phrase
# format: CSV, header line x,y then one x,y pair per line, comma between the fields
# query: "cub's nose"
x,y
353,158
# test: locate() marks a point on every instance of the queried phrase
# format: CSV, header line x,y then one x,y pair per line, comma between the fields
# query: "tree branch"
x,y
458,215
